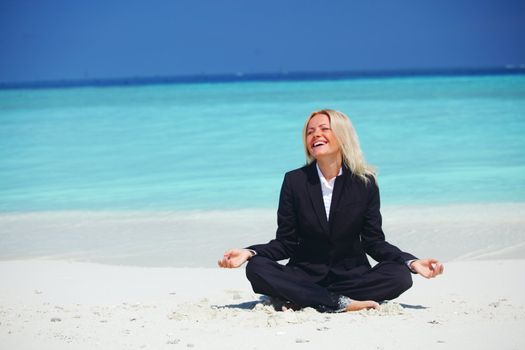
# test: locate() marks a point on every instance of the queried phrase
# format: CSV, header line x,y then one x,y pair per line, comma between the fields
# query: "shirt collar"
x,y
321,176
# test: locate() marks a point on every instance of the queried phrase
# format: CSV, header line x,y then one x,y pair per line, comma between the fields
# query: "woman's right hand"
x,y
234,258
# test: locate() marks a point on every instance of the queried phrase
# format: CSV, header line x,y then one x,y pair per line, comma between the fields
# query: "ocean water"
x,y
227,145
172,175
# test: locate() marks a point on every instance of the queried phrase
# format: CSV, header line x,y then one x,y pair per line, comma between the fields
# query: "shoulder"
x,y
361,187
371,181
366,181
301,174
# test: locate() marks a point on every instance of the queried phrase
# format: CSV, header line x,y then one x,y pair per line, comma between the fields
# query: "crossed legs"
x,y
385,281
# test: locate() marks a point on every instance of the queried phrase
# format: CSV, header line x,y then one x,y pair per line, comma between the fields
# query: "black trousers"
x,y
385,281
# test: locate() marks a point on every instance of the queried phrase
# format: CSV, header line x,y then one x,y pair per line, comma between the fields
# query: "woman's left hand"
x,y
428,268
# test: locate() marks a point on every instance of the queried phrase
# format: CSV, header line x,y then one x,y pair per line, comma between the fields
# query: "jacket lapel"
x,y
339,186
316,196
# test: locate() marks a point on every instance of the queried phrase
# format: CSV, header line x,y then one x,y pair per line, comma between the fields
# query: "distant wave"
x,y
250,77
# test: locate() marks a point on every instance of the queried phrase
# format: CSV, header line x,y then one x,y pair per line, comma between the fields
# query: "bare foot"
x,y
356,305
290,306
282,305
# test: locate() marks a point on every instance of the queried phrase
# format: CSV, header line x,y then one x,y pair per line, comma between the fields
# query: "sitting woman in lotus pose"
x,y
328,220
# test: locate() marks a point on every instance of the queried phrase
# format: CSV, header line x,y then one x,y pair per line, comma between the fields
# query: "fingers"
x,y
436,267
433,268
226,261
229,253
231,260
222,263
439,268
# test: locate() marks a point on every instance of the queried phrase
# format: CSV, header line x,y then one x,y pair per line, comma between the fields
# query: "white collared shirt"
x,y
327,187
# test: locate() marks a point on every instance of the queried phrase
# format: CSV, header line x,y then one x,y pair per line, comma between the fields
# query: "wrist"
x,y
251,253
411,265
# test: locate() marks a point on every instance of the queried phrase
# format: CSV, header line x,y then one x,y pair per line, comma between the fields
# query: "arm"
x,y
375,245
286,242
372,236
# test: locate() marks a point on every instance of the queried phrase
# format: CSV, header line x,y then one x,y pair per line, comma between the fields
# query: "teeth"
x,y
318,144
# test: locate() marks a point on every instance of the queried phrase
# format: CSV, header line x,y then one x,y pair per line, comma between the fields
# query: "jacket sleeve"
x,y
286,241
372,236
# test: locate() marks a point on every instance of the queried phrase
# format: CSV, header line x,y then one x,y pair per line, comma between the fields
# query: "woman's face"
x,y
320,140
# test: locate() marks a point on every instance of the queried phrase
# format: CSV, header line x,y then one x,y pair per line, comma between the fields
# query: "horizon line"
x,y
254,77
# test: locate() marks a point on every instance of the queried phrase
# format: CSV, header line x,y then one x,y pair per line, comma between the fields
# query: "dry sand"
x,y
71,305
65,283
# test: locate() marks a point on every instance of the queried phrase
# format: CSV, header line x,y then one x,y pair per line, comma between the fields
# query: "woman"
x,y
328,219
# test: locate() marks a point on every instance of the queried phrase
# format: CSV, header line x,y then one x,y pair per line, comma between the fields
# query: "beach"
x,y
117,201
64,305
136,281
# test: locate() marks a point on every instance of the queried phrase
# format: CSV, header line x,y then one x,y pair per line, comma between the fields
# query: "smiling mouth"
x,y
319,143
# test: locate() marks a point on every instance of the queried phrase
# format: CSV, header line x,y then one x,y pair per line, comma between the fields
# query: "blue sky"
x,y
67,39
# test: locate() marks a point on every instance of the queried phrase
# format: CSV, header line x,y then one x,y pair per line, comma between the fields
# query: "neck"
x,y
330,167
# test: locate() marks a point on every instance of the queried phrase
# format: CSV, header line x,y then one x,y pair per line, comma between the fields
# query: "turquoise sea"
x,y
227,145
173,175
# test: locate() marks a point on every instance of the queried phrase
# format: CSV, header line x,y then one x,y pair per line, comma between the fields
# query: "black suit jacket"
x,y
317,246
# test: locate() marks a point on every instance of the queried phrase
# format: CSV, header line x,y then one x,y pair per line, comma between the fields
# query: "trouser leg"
x,y
273,279
385,281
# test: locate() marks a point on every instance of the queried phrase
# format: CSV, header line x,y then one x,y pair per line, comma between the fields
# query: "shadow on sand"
x,y
250,305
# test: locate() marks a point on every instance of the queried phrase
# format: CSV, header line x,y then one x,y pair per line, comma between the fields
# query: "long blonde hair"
x,y
348,141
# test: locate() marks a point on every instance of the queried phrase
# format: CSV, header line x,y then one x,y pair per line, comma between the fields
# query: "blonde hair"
x,y
348,141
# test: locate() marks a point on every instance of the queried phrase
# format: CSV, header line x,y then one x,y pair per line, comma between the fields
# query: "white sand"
x,y
63,305
56,294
